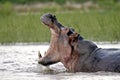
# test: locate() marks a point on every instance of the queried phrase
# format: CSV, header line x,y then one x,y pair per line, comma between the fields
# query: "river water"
x,y
19,62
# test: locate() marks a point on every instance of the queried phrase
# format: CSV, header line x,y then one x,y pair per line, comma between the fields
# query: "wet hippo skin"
x,y
106,60
76,53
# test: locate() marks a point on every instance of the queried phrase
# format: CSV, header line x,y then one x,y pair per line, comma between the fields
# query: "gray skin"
x,y
76,54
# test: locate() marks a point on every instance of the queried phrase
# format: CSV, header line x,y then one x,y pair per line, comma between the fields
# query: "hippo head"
x,y
59,44
48,19
51,21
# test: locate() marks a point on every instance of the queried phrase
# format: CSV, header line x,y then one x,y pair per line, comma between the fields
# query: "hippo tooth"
x,y
39,54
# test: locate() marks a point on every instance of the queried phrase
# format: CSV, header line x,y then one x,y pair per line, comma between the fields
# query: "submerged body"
x,y
74,52
90,58
104,60
100,60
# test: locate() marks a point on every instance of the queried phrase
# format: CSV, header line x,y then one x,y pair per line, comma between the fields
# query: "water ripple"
x,y
20,62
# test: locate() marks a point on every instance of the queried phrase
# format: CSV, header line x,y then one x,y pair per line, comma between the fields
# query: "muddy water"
x,y
19,62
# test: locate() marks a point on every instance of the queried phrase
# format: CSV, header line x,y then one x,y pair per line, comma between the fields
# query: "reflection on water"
x,y
19,62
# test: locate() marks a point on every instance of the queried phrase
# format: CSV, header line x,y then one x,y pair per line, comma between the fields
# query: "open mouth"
x,y
51,21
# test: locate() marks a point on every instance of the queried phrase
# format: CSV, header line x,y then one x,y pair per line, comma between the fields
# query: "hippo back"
x,y
106,60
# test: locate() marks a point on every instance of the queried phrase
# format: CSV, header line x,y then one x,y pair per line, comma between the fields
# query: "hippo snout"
x,y
48,19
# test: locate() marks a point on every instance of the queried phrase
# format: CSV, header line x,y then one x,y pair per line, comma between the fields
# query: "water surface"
x,y
19,62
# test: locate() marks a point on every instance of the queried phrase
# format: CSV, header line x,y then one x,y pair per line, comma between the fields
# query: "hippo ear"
x,y
73,38
76,35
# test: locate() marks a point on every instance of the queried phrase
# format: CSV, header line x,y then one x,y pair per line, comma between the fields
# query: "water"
x,y
19,62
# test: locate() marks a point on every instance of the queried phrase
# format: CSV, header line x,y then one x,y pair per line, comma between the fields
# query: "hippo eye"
x,y
69,33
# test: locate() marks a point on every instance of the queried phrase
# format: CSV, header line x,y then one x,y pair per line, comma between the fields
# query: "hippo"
x,y
76,53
